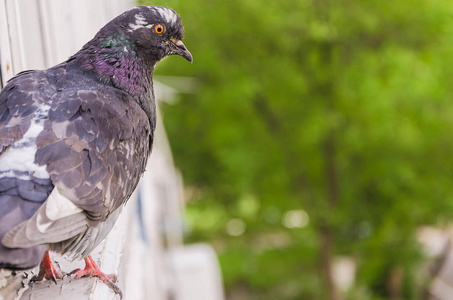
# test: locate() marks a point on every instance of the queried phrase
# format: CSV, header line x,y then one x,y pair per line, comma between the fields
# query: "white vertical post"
x,y
6,65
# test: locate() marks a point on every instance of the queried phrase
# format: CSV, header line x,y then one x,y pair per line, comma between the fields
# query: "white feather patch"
x,y
42,224
167,14
21,155
140,22
57,207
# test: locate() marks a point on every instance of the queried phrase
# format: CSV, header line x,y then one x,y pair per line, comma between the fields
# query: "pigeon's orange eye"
x,y
159,29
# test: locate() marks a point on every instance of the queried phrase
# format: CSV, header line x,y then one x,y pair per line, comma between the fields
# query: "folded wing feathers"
x,y
91,158
56,220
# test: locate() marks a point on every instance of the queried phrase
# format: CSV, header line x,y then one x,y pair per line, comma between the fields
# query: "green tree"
x,y
339,108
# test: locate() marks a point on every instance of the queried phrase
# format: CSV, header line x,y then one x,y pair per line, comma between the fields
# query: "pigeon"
x,y
75,140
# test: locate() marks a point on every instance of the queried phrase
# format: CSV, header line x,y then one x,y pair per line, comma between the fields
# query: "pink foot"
x,y
47,270
92,270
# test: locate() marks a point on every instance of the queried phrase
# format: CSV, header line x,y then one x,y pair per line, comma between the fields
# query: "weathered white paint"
x,y
6,70
194,264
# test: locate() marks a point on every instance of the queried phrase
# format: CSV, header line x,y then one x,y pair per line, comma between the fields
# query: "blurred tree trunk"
x,y
327,243
395,283
326,90
326,263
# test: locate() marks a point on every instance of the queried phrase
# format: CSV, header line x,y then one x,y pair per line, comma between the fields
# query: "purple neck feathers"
x,y
115,61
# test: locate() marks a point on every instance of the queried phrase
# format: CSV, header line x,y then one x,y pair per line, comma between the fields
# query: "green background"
x,y
341,109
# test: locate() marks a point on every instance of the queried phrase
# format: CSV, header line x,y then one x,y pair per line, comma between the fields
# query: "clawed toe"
x,y
92,270
47,270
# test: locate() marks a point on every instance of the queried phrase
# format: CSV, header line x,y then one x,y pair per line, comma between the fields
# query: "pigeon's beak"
x,y
181,50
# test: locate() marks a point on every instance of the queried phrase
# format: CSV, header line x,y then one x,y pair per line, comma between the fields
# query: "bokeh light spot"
x,y
295,219
235,227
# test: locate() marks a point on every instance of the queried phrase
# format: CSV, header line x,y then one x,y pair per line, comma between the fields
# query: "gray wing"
x,y
21,193
95,145
19,101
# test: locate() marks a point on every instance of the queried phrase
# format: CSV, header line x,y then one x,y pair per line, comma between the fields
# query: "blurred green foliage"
x,y
342,109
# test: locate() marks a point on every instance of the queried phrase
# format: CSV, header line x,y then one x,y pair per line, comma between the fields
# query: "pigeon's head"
x,y
155,31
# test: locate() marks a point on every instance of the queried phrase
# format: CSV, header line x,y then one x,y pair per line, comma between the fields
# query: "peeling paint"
x,y
13,284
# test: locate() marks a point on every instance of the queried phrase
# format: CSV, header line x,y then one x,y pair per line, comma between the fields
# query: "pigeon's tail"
x,y
19,199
